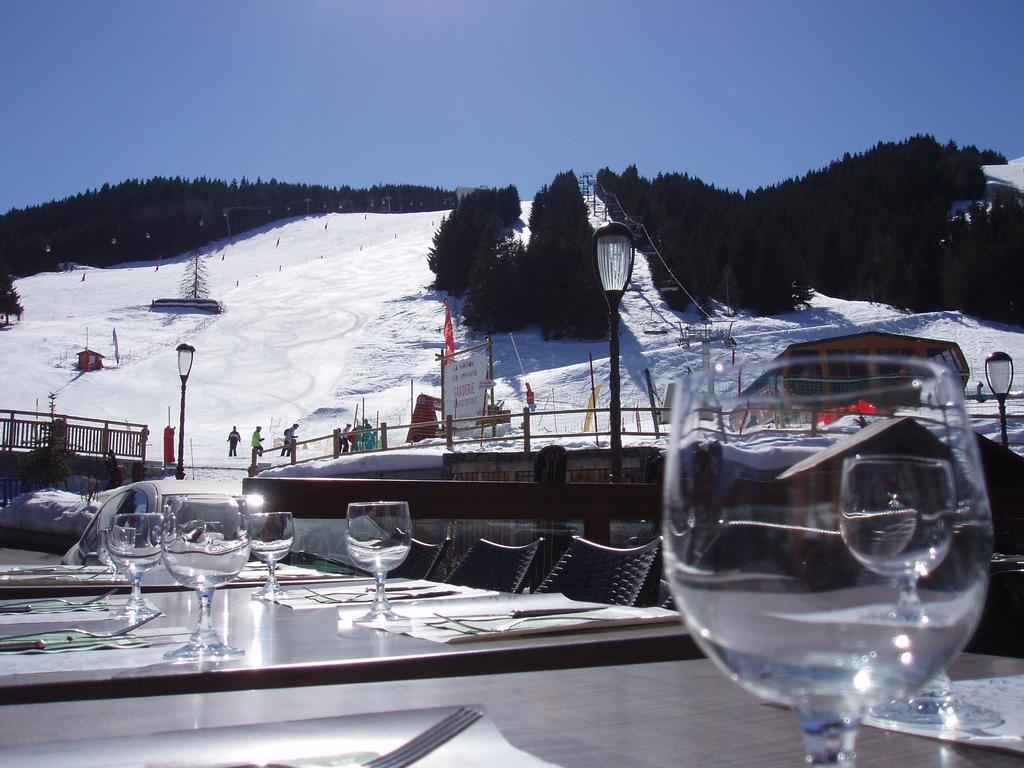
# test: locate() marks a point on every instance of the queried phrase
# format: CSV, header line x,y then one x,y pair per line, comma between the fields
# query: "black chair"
x,y
422,560
494,566
599,574
998,630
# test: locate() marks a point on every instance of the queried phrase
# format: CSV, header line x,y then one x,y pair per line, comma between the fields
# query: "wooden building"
x,y
835,363
89,360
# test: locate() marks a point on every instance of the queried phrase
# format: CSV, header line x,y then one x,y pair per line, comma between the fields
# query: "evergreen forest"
x,y
876,226
163,217
898,224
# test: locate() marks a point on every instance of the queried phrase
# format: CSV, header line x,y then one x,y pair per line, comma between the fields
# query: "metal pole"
x,y
616,425
1002,419
180,472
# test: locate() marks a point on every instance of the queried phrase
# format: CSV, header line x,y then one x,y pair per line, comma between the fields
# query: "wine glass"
x,y
756,552
103,551
133,547
895,515
205,544
271,535
378,540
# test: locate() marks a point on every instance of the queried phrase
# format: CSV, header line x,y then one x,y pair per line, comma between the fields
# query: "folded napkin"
x,y
1002,694
57,641
362,593
444,628
46,606
325,742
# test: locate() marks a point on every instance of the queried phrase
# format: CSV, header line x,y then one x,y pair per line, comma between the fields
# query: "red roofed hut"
x,y
88,360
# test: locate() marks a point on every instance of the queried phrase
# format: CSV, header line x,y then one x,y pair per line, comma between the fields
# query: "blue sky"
x,y
452,92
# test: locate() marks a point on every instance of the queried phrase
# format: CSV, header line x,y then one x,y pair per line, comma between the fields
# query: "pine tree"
x,y
48,466
194,281
10,302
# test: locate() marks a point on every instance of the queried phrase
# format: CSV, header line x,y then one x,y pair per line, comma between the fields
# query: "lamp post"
x,y
999,372
185,354
613,259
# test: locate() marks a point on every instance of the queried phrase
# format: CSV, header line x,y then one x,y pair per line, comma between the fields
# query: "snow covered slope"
x,y
324,313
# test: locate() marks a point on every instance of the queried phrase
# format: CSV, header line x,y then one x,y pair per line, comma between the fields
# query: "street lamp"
x,y
185,354
999,372
613,258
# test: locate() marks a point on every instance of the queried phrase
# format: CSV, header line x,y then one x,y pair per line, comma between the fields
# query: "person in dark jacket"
x,y
289,439
233,440
115,476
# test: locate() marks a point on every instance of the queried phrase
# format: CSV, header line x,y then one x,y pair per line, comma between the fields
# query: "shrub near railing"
x,y
26,430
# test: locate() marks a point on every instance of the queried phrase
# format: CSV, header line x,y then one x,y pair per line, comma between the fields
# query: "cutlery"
x,y
408,753
34,641
426,742
524,613
366,597
27,606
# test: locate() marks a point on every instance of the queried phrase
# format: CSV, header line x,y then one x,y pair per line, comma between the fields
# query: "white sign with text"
x,y
465,391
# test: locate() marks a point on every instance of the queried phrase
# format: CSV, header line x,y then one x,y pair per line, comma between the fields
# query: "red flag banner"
x,y
449,333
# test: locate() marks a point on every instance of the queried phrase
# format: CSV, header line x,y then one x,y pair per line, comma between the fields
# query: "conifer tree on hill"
x,y
10,301
195,283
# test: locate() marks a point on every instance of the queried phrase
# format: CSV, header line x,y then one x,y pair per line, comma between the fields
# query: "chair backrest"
x,y
494,566
599,574
421,561
550,465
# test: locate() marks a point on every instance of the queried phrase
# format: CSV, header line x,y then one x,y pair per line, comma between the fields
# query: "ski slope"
x,y
327,313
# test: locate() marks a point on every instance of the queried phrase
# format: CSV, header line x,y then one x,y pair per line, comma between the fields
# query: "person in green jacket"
x,y
257,441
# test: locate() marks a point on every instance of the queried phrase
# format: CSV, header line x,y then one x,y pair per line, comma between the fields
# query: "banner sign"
x,y
465,391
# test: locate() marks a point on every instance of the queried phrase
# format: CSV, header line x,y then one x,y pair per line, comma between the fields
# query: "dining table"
x,y
668,713
309,639
24,581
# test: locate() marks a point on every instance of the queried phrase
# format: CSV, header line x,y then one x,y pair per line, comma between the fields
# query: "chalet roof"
x,y
868,334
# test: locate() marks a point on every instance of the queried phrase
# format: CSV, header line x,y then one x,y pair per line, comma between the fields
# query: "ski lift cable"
x,y
516,349
655,248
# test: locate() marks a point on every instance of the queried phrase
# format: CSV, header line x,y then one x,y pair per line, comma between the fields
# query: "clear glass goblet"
x,y
378,540
133,547
757,556
103,551
895,515
271,535
205,545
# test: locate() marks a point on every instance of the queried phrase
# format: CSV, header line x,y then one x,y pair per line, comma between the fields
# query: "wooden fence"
x,y
636,422
488,429
26,430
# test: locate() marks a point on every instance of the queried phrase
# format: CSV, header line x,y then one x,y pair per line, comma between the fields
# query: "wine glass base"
x,y
269,593
204,650
381,619
930,710
135,613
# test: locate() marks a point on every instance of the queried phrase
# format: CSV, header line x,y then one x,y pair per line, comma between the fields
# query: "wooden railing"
x,y
636,422
26,430
651,424
596,506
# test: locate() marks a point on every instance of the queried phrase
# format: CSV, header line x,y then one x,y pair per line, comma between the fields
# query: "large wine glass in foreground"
x,y
760,563
132,543
271,535
205,544
378,540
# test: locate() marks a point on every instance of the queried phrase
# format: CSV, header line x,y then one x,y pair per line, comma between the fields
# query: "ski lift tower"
x,y
705,333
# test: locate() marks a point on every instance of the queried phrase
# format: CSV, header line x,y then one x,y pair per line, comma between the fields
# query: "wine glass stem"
x,y
272,580
828,741
380,597
909,606
204,624
136,601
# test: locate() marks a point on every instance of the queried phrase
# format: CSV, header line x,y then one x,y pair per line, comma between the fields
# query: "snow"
x,y
325,313
56,512
999,177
